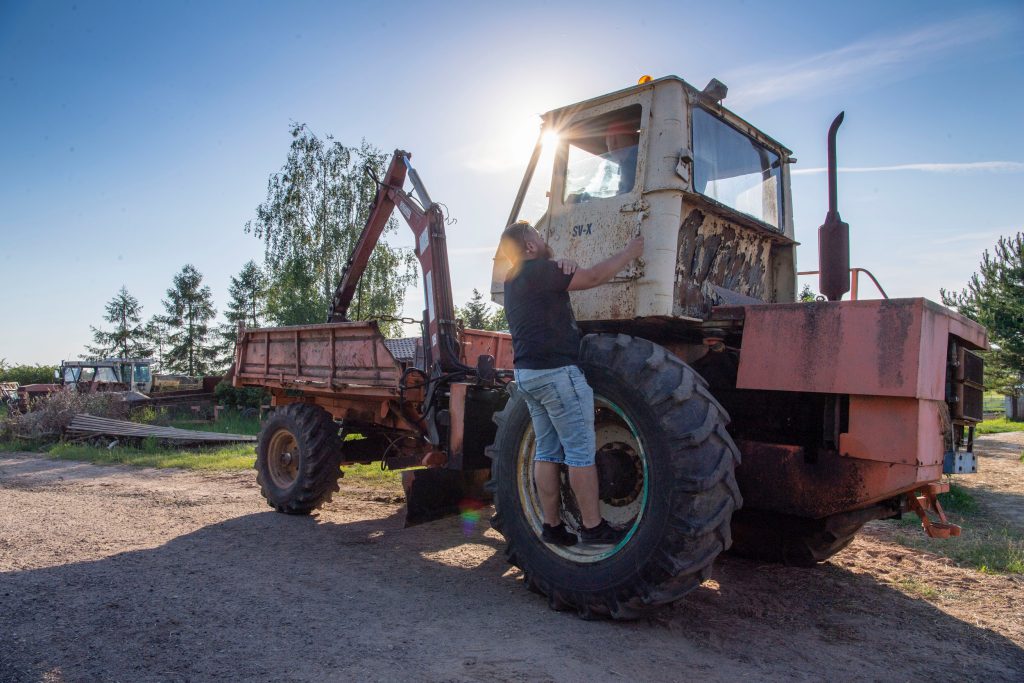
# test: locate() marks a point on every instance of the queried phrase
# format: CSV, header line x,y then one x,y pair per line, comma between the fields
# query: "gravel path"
x,y
119,574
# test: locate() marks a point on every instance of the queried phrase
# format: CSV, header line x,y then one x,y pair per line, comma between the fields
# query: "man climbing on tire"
x,y
546,342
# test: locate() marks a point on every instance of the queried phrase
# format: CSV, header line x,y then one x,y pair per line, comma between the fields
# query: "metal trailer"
x,y
701,359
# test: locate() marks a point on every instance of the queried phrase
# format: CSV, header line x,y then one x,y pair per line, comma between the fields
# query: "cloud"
x,y
967,167
884,57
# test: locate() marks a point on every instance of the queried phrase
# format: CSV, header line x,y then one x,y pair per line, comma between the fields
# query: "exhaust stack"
x,y
834,234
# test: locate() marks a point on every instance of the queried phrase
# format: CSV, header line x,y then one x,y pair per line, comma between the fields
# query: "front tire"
x,y
666,467
298,458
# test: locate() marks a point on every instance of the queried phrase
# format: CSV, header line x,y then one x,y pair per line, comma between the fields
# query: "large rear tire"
x,y
666,469
298,456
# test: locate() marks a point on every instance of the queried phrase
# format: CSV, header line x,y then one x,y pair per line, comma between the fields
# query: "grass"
x,y
230,422
225,457
999,426
986,545
229,457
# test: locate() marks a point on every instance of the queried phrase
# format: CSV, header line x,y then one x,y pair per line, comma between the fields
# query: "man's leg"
x,y
583,481
549,484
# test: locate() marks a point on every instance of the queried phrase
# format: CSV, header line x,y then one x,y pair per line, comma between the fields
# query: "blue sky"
x,y
138,137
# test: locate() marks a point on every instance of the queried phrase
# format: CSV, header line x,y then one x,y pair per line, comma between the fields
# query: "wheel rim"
x,y
622,473
283,459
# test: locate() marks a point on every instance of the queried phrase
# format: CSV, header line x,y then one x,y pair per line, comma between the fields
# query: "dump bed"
x,y
349,358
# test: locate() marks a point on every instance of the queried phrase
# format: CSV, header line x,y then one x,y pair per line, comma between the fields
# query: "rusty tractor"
x,y
728,415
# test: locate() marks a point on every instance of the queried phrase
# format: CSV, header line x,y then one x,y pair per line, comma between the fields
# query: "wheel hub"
x,y
282,459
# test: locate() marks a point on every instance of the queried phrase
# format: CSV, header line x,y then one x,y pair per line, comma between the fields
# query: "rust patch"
x,y
895,319
715,253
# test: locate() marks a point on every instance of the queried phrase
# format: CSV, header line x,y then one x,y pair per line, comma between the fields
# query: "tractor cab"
x,y
709,192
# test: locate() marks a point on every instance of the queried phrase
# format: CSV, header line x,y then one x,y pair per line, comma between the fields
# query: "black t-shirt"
x,y
544,332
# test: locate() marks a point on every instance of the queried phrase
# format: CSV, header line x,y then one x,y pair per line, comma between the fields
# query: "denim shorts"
x,y
562,409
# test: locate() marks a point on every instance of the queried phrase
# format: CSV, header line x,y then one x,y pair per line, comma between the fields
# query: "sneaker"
x,y
558,535
602,534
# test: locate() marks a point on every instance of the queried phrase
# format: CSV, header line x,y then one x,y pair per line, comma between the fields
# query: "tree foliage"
x,y
248,304
128,338
476,314
994,297
26,374
156,330
314,211
189,310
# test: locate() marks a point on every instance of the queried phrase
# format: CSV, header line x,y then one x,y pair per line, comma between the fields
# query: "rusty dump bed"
x,y
346,368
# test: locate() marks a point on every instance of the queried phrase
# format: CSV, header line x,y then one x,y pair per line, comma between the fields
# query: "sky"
x,y
138,137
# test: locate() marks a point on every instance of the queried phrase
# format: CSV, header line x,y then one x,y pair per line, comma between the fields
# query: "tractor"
x,y
728,414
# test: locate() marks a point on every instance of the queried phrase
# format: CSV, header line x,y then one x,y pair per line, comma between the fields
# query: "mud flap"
x,y
435,493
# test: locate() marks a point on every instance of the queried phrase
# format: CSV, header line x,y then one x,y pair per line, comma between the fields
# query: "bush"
x,y
231,397
49,416
28,374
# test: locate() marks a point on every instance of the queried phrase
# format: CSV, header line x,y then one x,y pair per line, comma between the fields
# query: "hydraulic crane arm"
x,y
427,222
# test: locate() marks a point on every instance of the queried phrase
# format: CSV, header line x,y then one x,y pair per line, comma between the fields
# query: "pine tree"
x,y
248,292
189,307
994,297
156,331
498,321
315,209
128,338
476,314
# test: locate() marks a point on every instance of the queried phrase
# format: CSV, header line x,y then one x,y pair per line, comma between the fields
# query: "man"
x,y
546,341
622,139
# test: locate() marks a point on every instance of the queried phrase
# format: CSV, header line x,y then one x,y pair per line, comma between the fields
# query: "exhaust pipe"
x,y
834,235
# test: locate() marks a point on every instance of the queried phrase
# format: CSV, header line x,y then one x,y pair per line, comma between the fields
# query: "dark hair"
x,y
513,240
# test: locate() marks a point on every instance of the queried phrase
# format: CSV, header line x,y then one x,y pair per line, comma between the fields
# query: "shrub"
x,y
28,374
49,416
247,397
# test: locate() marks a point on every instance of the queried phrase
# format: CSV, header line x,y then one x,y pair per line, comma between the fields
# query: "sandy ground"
x,y
119,574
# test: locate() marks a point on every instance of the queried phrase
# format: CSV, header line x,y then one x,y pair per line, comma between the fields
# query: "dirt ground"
x,y
120,574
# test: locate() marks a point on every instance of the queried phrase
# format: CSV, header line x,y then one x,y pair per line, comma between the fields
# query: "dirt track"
x,y
121,574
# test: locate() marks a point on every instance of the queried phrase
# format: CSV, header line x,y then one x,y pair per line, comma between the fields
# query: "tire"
x,y
298,456
666,468
789,540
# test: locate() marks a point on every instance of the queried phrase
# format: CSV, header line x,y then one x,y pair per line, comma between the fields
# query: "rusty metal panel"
x,y
328,355
476,343
780,478
893,347
715,252
897,430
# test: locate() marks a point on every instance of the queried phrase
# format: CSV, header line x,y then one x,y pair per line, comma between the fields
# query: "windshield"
x,y
602,156
142,374
736,171
535,201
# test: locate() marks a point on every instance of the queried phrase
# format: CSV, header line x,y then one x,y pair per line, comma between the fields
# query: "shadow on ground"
x,y
271,597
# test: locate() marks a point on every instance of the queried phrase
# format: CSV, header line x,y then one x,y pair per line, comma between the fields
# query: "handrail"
x,y
855,281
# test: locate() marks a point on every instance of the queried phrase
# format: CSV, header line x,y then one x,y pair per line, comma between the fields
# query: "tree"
x,y
128,338
807,295
315,209
499,323
189,307
156,330
994,297
476,314
248,292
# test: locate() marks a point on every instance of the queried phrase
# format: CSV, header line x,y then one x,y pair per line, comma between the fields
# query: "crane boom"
x,y
426,220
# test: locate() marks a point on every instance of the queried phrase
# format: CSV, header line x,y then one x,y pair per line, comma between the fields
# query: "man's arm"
x,y
598,274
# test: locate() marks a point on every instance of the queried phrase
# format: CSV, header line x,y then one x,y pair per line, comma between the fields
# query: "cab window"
x,y
602,156
735,170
